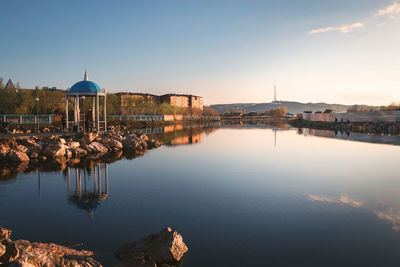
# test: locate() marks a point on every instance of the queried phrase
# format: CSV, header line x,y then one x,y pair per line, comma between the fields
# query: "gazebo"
x,y
81,90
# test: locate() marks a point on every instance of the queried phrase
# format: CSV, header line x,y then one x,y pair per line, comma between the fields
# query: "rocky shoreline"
x,y
370,127
165,248
64,147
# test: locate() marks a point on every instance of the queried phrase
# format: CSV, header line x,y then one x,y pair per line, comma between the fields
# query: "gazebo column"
x,y
78,112
105,112
66,112
93,113
97,112
74,111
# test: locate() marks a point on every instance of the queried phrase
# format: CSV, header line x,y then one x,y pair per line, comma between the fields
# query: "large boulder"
x,y
96,147
78,152
74,144
114,144
165,247
4,233
31,145
6,145
132,143
54,150
22,148
11,253
20,263
49,254
152,143
2,249
18,156
89,137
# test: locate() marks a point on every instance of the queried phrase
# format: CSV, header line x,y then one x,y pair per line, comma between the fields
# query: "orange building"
x,y
196,102
178,100
183,101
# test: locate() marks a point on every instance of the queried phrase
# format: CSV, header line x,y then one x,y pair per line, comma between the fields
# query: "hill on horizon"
x,y
293,107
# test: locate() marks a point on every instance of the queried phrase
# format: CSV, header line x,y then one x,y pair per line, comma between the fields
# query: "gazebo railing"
x,y
27,119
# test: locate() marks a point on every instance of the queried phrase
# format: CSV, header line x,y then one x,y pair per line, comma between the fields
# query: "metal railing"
x,y
204,118
162,129
27,119
137,117
160,118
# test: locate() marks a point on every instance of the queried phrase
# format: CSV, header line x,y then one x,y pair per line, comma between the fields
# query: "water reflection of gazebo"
x,y
88,197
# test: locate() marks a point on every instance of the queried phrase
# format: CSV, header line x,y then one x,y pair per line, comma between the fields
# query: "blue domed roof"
x,y
85,87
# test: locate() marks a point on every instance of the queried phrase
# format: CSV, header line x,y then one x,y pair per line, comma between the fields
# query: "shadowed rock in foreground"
x,y
165,248
23,253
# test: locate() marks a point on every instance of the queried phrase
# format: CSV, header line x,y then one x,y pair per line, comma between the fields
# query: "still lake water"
x,y
239,196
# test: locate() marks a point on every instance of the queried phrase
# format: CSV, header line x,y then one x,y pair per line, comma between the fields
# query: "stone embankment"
x,y
42,148
370,127
165,248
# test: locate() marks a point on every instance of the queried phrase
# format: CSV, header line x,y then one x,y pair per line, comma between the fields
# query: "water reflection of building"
x,y
188,139
88,195
173,128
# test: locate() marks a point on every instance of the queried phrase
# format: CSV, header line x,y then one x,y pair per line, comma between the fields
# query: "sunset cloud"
x,y
341,200
342,29
389,11
389,215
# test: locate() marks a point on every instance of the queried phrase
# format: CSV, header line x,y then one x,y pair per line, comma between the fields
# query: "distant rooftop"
x,y
172,94
10,85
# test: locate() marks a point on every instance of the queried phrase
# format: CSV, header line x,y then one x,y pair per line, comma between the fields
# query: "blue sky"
x,y
227,51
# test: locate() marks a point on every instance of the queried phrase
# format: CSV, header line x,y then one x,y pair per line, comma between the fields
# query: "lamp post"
x,y
37,112
84,114
19,101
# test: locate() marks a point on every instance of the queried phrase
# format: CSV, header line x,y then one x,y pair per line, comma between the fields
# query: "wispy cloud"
x,y
343,28
389,215
341,200
389,11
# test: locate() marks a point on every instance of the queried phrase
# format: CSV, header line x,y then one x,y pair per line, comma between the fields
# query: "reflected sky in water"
x,y
239,196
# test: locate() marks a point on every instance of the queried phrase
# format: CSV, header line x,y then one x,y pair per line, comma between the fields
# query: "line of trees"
x,y
23,101
392,107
